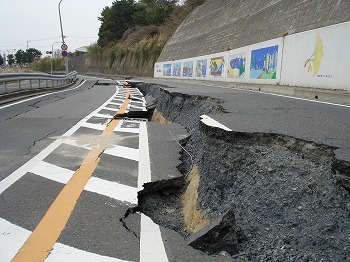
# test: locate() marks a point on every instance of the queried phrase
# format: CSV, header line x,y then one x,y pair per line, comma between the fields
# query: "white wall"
x,y
290,61
334,64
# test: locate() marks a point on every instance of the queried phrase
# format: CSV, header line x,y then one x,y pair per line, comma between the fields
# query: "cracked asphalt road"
x,y
26,128
42,137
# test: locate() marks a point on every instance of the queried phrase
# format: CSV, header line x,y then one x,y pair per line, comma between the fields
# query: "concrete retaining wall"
x,y
104,64
221,25
227,39
316,58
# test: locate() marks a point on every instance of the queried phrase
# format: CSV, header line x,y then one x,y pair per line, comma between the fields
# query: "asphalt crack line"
x,y
29,149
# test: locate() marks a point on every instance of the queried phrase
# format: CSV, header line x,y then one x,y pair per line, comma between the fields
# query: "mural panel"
x,y
217,65
263,63
236,65
201,68
167,70
187,70
177,69
314,62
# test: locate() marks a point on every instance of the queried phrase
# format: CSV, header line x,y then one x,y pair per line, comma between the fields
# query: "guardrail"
x,y
15,81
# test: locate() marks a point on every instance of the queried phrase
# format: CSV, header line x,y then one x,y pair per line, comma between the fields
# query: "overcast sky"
x,y
37,21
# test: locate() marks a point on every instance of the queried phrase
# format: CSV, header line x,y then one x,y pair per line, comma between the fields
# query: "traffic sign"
x,y
48,52
64,53
64,46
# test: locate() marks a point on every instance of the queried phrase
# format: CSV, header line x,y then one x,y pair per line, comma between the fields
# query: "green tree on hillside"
x,y
1,60
115,20
126,14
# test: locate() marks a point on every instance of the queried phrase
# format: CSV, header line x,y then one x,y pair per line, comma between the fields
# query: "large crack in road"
x,y
256,196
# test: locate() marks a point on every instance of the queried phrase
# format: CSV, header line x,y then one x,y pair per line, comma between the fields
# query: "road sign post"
x,y
64,47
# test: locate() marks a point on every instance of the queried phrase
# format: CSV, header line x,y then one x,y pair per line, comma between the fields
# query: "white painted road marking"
x,y
111,189
151,243
12,238
32,98
212,122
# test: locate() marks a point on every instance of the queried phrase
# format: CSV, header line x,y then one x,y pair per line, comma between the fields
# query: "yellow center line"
x,y
41,241
112,125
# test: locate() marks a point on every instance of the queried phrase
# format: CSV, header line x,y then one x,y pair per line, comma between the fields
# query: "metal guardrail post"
x,y
30,84
39,83
19,85
5,87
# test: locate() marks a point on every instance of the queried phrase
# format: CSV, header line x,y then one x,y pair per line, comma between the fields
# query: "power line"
x,y
82,36
31,40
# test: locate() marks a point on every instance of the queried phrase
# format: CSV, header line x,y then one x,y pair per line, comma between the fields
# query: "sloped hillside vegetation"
x,y
132,35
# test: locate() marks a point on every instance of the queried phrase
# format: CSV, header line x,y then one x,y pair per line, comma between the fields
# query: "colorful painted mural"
x,y
236,65
187,70
201,68
177,69
263,63
314,62
217,65
167,70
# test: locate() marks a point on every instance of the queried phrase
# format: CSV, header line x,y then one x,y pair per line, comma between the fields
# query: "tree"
x,y
127,14
10,59
21,57
115,20
33,55
1,60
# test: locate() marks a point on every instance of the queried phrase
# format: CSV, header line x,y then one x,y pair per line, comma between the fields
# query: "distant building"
x,y
80,51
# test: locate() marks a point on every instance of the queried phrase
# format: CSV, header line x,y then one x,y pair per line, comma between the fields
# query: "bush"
x,y
44,65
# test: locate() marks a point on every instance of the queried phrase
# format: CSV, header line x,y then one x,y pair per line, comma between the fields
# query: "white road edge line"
x,y
32,98
212,122
279,95
151,243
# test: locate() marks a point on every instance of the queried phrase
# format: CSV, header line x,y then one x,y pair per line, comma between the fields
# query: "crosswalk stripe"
x,y
94,126
111,189
12,237
119,151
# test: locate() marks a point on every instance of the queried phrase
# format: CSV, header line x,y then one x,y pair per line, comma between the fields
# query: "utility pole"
x,y
27,43
59,13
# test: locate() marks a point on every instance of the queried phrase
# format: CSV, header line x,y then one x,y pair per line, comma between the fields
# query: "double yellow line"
x,y
41,241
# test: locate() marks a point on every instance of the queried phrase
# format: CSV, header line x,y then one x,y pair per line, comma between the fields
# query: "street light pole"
x,y
52,54
59,12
